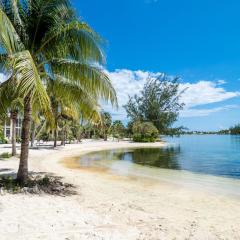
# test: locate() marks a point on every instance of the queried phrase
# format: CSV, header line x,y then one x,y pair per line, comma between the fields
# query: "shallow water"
x,y
209,161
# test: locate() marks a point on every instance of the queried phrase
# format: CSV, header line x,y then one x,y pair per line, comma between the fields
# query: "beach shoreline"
x,y
113,207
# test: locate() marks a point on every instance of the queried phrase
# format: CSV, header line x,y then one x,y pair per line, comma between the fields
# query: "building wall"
x,y
8,128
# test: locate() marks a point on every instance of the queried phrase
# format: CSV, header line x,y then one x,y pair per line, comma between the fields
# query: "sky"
x,y
196,40
199,41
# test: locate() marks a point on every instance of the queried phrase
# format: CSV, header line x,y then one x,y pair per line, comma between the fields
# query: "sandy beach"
x,y
115,207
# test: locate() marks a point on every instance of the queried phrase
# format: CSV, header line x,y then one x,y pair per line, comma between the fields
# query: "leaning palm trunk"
x,y
22,175
13,120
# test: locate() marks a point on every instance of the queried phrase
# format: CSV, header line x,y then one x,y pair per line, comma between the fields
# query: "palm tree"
x,y
42,40
118,130
10,104
69,99
106,122
13,117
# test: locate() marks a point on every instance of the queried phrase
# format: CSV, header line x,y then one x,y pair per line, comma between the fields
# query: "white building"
x,y
7,130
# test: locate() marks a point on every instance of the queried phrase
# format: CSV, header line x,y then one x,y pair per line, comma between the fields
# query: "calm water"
x,y
217,155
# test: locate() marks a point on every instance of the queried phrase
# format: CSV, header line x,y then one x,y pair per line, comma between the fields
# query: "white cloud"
x,y
151,1
127,83
204,92
221,82
191,112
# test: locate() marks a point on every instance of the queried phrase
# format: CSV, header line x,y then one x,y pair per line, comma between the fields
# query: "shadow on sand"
x,y
39,183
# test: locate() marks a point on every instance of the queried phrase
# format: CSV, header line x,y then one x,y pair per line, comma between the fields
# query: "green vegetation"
x,y
5,155
235,130
2,139
52,60
158,102
105,123
118,130
144,132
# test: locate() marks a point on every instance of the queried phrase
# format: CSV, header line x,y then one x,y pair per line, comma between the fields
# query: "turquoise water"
x,y
209,154
217,155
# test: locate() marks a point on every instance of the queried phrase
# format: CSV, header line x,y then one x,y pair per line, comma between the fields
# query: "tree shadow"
x,y
39,183
4,170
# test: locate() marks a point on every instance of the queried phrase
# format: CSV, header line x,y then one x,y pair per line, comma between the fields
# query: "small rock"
x,y
24,190
34,190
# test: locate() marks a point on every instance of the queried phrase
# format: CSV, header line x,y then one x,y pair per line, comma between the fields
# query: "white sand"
x,y
114,207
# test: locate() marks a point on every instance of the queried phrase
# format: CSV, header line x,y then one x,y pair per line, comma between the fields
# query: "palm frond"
x,y
28,79
9,39
89,78
75,39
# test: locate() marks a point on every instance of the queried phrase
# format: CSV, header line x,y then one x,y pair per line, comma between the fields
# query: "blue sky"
x,y
196,40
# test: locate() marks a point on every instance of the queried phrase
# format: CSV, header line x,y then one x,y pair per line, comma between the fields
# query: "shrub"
x,y
5,155
2,139
144,132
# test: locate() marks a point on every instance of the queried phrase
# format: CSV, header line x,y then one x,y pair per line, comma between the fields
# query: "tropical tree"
x,y
10,105
158,102
106,122
144,132
1,132
118,130
42,41
70,101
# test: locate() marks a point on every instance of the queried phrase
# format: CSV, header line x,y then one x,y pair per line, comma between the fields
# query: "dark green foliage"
x,y
144,132
106,122
235,130
2,139
118,130
77,131
158,103
9,184
44,136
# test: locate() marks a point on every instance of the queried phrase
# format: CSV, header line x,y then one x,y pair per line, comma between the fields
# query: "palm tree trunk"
x,y
63,137
105,135
55,137
55,107
22,175
56,131
33,133
14,121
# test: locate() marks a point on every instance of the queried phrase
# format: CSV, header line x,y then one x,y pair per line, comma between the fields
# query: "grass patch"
x,y
5,155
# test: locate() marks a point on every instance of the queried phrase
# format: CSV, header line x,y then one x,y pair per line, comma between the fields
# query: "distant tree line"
x,y
235,130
